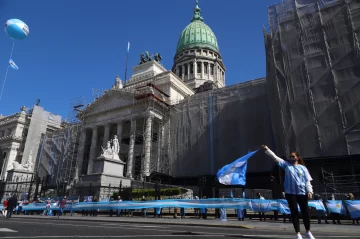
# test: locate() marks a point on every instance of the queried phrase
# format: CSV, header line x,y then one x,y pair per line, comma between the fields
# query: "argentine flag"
x,y
128,48
13,65
235,173
353,207
336,206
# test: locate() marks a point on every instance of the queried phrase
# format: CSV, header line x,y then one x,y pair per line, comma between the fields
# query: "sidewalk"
x,y
189,221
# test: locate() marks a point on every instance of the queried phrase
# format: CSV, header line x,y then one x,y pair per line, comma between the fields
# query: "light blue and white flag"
x,y
284,207
317,204
235,173
353,207
128,48
261,205
13,65
336,206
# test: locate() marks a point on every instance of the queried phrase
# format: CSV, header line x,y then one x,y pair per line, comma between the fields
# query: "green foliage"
x,y
137,193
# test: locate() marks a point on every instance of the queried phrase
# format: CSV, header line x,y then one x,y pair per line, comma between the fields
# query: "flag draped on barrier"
x,y
336,206
353,207
235,173
255,205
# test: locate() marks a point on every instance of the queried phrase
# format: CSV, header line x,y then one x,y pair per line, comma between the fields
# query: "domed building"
x,y
198,59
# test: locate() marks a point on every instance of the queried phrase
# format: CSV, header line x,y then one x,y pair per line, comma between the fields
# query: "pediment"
x,y
110,100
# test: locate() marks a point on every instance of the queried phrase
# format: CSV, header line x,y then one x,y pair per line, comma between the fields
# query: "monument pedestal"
x,y
17,174
106,171
108,166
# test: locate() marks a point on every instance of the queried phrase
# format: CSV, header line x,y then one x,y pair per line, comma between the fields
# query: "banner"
x,y
336,206
256,205
353,207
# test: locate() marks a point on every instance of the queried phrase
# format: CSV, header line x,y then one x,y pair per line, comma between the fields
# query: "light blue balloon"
x,y
16,29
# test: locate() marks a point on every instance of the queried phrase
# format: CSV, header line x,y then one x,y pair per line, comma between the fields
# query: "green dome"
x,y
197,34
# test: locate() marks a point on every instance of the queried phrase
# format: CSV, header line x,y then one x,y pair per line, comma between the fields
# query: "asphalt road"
x,y
33,228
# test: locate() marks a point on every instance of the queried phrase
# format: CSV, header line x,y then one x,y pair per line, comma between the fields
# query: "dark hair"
x,y
300,159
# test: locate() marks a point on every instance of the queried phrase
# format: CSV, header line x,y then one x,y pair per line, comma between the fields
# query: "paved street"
x,y
55,228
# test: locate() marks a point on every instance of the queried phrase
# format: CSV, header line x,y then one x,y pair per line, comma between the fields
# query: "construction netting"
x,y
214,128
313,75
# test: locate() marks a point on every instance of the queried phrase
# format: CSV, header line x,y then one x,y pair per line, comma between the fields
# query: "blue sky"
x,y
76,46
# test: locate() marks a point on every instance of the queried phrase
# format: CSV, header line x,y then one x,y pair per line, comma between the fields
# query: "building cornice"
x,y
10,138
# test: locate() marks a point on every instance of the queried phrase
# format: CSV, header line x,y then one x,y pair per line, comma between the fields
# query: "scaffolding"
x,y
156,102
68,167
216,127
313,77
338,186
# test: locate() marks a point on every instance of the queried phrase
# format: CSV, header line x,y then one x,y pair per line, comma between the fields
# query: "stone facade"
x,y
20,136
138,114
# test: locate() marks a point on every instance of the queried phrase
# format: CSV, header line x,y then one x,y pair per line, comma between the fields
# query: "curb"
x,y
105,219
144,222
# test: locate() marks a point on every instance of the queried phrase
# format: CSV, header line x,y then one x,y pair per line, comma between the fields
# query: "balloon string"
x,y
7,70
12,49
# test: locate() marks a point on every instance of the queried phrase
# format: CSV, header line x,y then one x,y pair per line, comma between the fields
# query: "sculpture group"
x,y
28,165
146,57
112,149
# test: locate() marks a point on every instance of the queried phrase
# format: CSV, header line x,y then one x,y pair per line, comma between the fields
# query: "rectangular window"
x,y
186,69
198,67
191,68
212,69
206,68
180,71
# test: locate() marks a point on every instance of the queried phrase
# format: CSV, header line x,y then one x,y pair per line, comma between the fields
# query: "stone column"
x,y
130,161
119,133
147,146
188,71
93,150
81,149
160,146
209,68
202,70
4,166
106,135
195,69
182,72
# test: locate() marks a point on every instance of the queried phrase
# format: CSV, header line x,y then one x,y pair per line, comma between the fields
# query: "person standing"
x,y
298,189
261,214
11,206
62,205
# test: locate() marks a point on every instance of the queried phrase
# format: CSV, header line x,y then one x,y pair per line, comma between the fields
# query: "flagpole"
x,y
127,58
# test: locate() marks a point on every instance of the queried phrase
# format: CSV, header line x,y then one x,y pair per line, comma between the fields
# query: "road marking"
x,y
122,236
6,230
130,225
56,223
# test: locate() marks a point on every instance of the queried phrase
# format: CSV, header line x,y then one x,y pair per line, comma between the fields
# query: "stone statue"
x,y
148,57
23,109
118,83
116,148
157,57
107,152
37,102
16,165
112,151
142,59
28,164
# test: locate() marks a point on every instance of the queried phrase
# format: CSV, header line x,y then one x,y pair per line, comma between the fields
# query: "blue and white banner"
x,y
336,206
284,207
317,204
256,205
353,207
234,173
261,205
